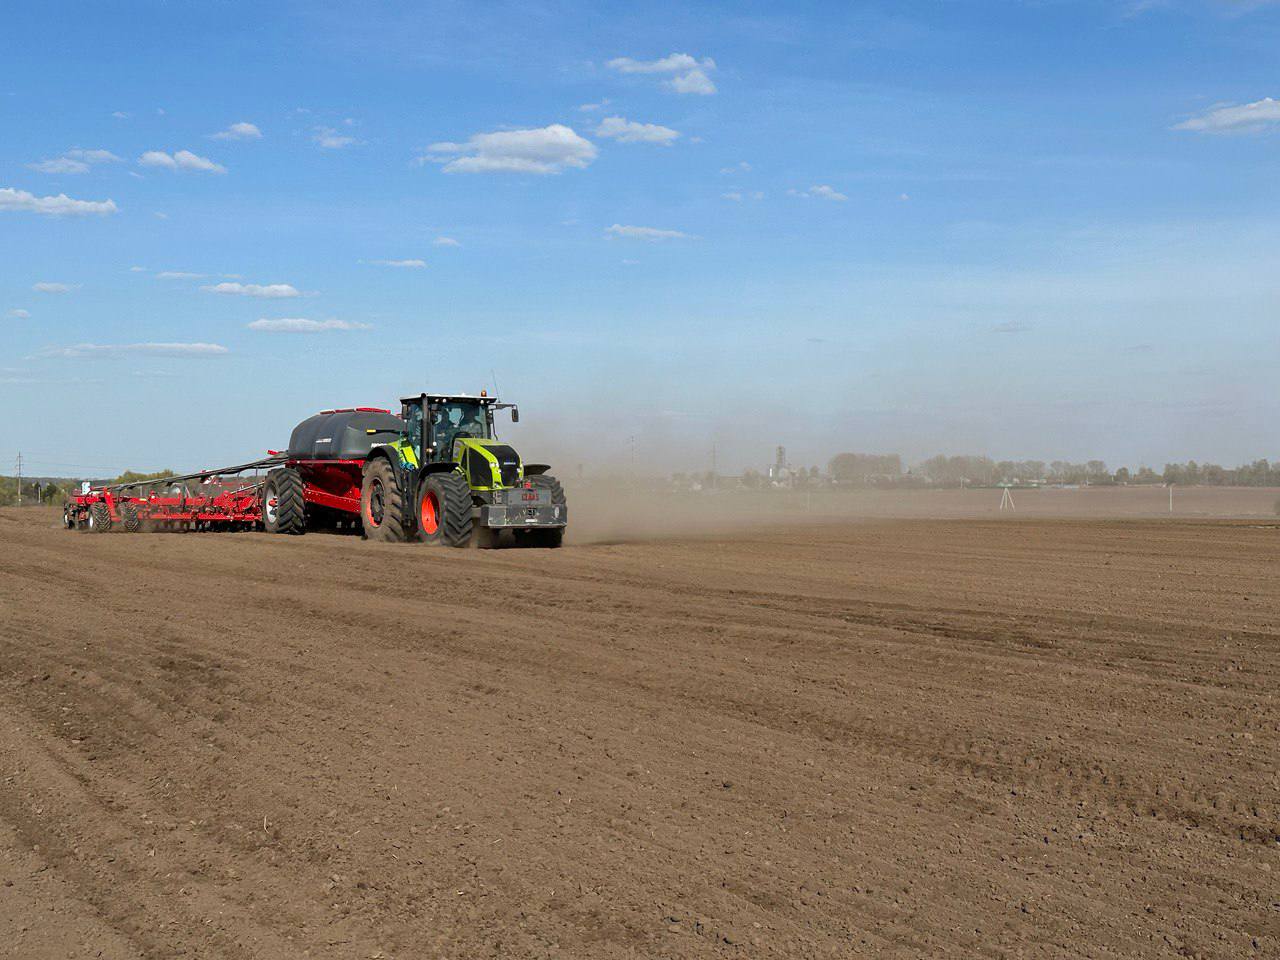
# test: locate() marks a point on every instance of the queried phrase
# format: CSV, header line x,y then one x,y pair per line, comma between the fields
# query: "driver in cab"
x,y
458,422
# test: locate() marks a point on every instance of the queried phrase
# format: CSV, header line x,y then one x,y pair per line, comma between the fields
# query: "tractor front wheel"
x,y
381,503
444,510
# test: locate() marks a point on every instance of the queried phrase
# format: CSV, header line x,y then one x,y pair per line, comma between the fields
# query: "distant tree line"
x,y
862,469
33,491
865,468
1260,473
54,490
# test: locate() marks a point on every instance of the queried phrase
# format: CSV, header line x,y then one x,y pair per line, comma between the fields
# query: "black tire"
x,y
99,518
549,537
283,507
129,518
381,502
444,510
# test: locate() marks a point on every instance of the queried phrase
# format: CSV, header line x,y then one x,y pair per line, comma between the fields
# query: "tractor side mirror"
x,y
515,414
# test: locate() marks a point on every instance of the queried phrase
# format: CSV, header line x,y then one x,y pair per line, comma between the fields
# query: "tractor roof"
x,y
450,396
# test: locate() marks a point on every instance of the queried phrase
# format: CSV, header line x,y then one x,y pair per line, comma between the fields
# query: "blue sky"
x,y
1022,229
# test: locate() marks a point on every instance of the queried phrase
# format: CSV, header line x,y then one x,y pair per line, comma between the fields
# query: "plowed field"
x,y
888,738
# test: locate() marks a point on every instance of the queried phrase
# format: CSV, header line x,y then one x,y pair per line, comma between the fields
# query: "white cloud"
x,y
196,350
301,325
330,139
628,131
733,195
121,115
59,206
647,233
75,160
593,107
93,156
157,158
178,275
445,242
413,264
689,75
271,291
1241,118
238,131
695,81
182,160
19,314
672,63
549,149
137,269
740,167
822,191
48,286
59,165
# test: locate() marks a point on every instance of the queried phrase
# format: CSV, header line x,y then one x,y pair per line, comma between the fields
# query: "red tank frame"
x,y
334,484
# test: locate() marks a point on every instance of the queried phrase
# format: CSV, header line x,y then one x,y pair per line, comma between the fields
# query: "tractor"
x,y
437,473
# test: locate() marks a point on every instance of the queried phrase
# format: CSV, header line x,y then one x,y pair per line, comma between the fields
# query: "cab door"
x,y
411,414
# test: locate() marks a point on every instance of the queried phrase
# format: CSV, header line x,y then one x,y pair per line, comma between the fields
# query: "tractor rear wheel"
x,y
444,510
99,518
381,502
129,518
283,508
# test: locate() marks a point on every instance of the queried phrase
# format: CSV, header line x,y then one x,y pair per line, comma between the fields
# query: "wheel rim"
x,y
270,510
430,513
377,503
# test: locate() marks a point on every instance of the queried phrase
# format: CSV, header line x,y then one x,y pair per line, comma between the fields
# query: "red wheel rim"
x,y
430,513
374,509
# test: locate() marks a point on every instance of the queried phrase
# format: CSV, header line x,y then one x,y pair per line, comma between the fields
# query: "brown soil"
x,y
888,738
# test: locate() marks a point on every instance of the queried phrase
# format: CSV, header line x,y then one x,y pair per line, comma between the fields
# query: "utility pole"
x,y
19,478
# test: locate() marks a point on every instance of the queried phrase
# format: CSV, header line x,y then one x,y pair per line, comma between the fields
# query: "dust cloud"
x,y
615,512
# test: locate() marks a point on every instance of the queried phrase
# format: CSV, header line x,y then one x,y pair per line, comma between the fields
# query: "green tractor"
x,y
437,473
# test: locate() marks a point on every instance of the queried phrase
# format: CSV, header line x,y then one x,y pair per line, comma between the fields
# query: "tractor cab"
x,y
435,423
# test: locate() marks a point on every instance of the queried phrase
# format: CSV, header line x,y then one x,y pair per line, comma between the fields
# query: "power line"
x,y
58,463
